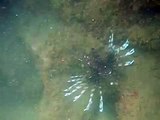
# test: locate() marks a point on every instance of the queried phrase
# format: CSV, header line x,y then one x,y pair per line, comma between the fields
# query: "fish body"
x,y
100,70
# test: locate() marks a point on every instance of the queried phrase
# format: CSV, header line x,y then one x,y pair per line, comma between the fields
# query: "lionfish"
x,y
99,72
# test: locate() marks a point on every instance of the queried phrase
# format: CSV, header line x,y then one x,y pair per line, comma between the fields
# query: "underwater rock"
x,y
155,44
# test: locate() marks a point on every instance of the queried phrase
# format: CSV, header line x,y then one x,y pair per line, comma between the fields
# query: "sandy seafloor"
x,y
29,88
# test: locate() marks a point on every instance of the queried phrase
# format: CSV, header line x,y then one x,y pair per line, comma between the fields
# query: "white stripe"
x,y
74,80
110,41
76,76
129,63
125,45
101,102
77,97
130,52
90,100
73,85
78,87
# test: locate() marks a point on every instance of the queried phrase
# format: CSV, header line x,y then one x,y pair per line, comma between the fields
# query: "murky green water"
x,y
21,86
36,50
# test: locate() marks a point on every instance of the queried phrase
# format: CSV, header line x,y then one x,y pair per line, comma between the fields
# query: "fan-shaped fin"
x,y
74,90
74,80
90,100
78,96
125,45
101,100
127,63
130,52
110,41
76,76
111,38
78,82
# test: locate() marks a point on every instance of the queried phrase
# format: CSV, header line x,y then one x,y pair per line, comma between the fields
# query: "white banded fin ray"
x,y
90,100
130,52
82,92
73,86
125,45
76,76
78,87
74,80
101,102
129,63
